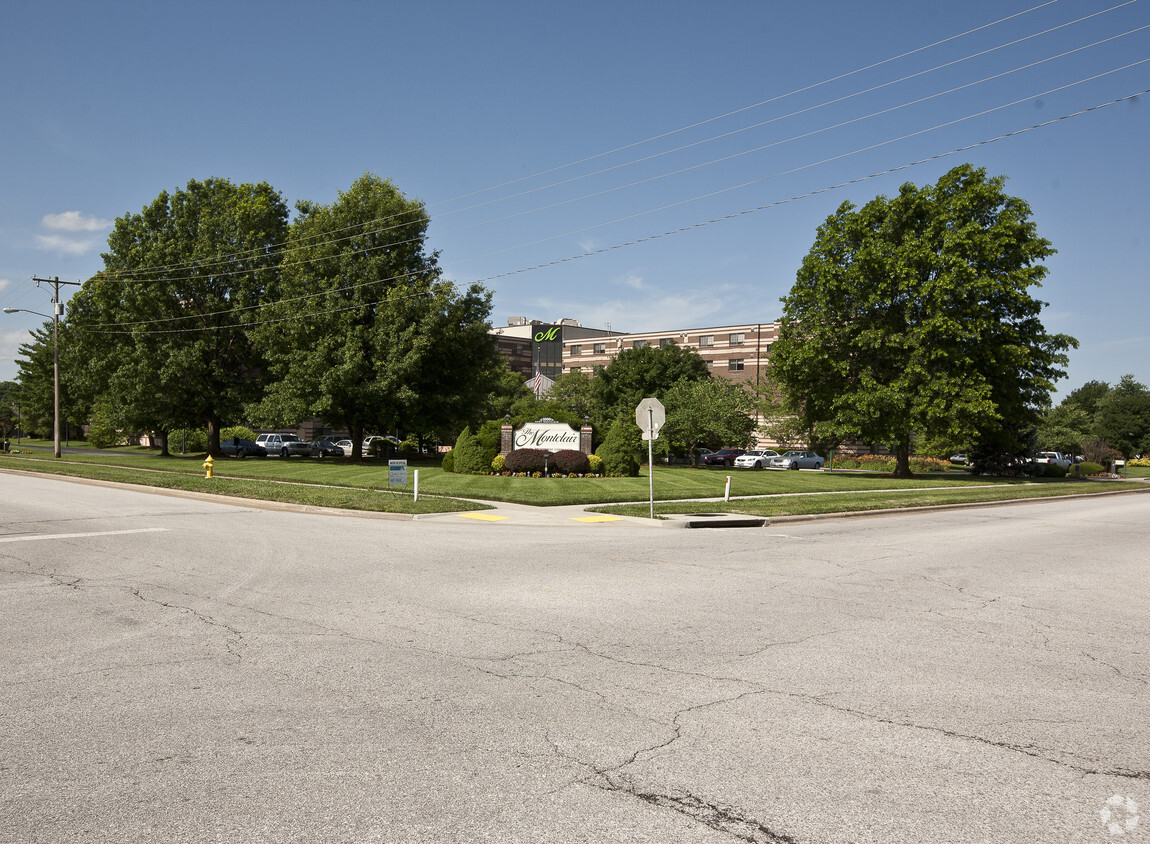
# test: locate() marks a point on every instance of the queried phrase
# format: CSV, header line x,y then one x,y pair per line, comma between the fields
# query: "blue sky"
x,y
603,160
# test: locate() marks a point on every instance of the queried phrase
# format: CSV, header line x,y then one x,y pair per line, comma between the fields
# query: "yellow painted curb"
x,y
482,516
596,518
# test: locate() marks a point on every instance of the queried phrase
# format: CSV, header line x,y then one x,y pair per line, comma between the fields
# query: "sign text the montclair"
x,y
553,436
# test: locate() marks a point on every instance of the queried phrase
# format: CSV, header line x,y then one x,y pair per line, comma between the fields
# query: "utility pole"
x,y
57,310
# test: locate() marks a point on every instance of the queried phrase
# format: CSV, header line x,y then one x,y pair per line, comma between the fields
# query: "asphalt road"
x,y
184,670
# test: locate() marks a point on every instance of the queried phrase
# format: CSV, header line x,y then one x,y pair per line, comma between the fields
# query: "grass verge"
x,y
819,504
363,499
364,486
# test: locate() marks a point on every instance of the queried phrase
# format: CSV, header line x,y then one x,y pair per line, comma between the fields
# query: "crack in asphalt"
x,y
726,819
232,642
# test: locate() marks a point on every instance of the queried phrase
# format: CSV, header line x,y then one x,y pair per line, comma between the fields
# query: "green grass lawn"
x,y
341,483
265,480
891,499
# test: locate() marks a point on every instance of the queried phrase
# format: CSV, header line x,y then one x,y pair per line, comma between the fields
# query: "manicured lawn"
x,y
186,474
816,503
342,481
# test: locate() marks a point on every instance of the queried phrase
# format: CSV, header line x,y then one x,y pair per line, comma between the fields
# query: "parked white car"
x,y
797,460
756,458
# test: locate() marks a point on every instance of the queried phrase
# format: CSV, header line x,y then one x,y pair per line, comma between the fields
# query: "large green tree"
x,y
1123,417
708,410
36,393
162,330
639,373
9,407
914,314
366,332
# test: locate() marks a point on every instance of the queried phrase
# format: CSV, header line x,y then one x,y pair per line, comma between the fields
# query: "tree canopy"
x,y
710,411
1123,417
160,334
913,315
639,373
364,330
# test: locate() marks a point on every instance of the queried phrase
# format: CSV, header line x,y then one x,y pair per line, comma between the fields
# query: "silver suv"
x,y
285,445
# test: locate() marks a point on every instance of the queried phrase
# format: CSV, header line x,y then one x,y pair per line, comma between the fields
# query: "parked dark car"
x,y
723,457
237,447
324,448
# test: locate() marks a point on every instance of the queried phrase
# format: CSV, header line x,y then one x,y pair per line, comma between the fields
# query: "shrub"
x,y
497,463
469,458
489,435
1052,470
570,462
448,464
195,439
409,448
595,463
886,463
529,460
1144,462
101,432
619,450
1087,468
237,431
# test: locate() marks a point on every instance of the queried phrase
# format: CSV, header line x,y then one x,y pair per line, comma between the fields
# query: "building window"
x,y
574,369
706,340
735,365
738,339
666,341
638,344
576,350
710,365
600,348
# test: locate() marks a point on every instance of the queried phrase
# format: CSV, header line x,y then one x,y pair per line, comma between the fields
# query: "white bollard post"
x,y
416,484
727,493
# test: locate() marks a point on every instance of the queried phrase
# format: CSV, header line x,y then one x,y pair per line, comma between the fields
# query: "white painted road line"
x,y
32,536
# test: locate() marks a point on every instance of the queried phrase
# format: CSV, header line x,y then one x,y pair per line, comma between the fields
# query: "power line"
x,y
325,237
670,232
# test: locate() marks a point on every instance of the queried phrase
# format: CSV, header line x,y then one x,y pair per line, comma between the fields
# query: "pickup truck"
x,y
1056,458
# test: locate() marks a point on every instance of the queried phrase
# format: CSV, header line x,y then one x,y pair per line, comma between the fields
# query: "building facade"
x,y
736,353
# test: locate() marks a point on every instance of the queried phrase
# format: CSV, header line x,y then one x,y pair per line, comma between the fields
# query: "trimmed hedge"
x,y
524,460
530,461
886,463
570,462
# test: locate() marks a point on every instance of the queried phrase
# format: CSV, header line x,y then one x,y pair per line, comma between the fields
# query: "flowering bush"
x,y
498,463
595,463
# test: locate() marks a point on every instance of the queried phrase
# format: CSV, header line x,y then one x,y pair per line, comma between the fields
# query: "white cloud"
x,y
74,221
67,245
4,284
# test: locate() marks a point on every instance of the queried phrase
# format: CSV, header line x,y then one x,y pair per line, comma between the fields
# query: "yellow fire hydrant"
x,y
208,466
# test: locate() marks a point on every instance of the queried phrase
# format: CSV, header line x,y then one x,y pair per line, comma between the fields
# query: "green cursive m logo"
x,y
550,334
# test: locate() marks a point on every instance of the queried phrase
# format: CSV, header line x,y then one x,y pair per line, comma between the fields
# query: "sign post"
x,y
650,416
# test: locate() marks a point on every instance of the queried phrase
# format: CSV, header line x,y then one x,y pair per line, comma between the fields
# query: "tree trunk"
x,y
902,458
214,437
355,428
